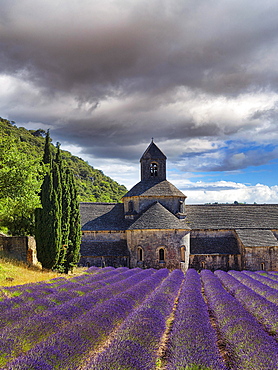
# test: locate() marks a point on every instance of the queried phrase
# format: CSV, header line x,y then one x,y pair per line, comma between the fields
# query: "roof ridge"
x,y
156,216
154,151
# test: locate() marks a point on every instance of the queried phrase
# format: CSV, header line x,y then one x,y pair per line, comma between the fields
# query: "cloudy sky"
x,y
199,76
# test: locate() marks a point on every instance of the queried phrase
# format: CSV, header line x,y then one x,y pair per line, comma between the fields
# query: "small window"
x,y
161,254
153,169
140,254
182,254
262,266
130,206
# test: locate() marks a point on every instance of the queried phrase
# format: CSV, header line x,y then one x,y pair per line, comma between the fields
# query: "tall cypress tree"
x,y
65,202
47,158
73,252
58,229
48,218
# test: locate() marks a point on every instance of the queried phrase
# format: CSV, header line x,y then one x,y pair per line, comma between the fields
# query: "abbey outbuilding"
x,y
154,228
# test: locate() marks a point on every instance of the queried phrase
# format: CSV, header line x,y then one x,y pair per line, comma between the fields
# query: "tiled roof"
x,y
110,216
158,217
153,152
210,245
229,216
257,238
154,188
103,216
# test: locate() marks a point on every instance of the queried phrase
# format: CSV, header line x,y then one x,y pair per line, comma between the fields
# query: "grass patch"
x,y
14,272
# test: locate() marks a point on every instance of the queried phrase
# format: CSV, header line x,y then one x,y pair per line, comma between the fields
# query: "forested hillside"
x,y
92,184
22,172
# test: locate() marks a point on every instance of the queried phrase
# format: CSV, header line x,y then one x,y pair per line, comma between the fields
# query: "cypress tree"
x,y
48,218
58,229
65,202
57,215
73,252
47,153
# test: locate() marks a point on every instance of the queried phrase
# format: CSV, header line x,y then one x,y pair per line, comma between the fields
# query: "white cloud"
x,y
227,192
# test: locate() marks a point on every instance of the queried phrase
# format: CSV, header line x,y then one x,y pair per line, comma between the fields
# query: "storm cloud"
x,y
106,76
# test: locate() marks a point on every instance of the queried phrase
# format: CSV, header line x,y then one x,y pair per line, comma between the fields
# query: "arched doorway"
x,y
183,254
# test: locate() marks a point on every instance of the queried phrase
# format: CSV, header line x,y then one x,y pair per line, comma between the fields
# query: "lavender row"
x,y
57,294
265,291
44,306
274,273
192,340
136,343
51,286
67,348
24,334
270,274
41,303
263,279
264,311
250,347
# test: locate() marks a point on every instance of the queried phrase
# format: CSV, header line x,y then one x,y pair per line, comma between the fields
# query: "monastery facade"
x,y
154,228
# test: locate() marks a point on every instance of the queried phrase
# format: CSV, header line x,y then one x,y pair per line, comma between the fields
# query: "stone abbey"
x,y
154,228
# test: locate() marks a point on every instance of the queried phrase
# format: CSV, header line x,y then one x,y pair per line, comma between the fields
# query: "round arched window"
x,y
153,169
161,254
139,254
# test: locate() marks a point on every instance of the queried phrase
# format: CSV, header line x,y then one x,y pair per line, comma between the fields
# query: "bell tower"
x,y
153,164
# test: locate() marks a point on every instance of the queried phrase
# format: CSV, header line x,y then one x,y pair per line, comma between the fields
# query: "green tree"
x,y
65,203
48,217
58,233
20,181
73,255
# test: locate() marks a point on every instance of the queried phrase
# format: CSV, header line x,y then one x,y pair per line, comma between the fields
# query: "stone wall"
x,y
104,248
22,248
152,241
215,261
261,258
103,261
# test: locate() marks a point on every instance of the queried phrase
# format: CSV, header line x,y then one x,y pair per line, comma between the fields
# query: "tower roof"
x,y
153,152
154,188
158,217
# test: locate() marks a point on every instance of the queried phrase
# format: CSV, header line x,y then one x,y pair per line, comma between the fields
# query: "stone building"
x,y
153,227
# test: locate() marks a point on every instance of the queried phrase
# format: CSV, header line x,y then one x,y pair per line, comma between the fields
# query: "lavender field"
x,y
122,319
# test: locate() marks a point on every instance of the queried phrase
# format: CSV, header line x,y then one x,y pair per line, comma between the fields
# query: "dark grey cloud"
x,y
209,45
107,76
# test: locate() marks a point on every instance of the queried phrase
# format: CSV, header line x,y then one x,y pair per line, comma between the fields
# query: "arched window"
x,y
161,254
262,266
139,254
182,254
130,206
153,169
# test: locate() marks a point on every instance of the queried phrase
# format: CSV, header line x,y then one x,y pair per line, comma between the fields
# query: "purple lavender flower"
x,y
250,347
138,338
92,324
266,291
192,340
263,279
264,311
